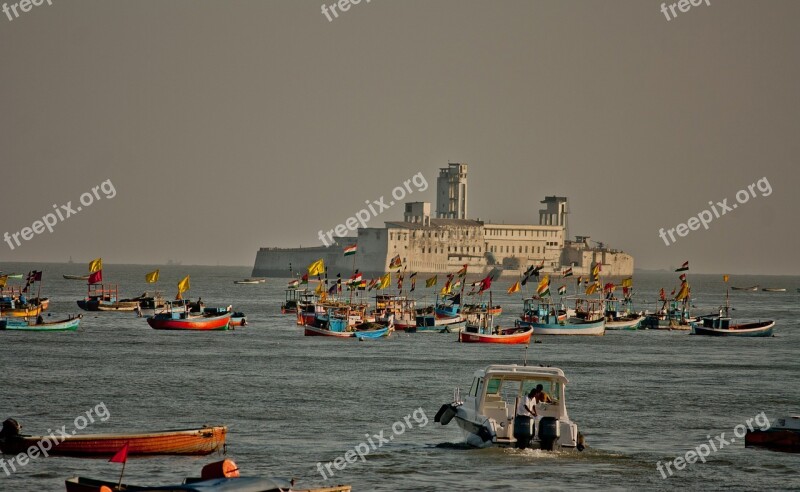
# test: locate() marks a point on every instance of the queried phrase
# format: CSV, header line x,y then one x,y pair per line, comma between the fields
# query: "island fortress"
x,y
450,240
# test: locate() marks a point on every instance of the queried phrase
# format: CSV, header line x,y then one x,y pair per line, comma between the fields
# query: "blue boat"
x,y
550,318
448,308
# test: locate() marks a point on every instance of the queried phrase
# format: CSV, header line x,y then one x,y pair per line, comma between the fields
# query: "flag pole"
x,y
119,484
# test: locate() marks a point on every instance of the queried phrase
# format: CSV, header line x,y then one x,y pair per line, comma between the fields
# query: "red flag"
x,y
485,284
96,277
121,456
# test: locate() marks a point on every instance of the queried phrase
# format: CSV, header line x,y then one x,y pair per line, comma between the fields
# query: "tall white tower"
x,y
451,192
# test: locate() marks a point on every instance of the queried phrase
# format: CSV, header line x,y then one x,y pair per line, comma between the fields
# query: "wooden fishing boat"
x,y
784,435
493,310
399,310
480,329
292,298
619,315
672,315
238,319
70,324
76,277
184,320
337,325
101,298
202,441
27,311
752,288
246,282
724,327
550,318
774,289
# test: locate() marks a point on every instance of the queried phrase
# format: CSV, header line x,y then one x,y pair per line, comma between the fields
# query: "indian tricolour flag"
x,y
350,250
562,290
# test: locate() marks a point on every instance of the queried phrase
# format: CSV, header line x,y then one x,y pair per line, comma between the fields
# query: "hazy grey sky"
x,y
226,126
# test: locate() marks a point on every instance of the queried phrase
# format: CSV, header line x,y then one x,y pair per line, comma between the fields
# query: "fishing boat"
x,y
291,299
721,324
220,476
306,308
216,319
202,441
246,282
69,324
547,317
26,311
337,324
238,319
76,277
619,315
398,308
430,323
672,315
752,288
472,308
480,328
783,435
448,307
774,289
102,298
488,414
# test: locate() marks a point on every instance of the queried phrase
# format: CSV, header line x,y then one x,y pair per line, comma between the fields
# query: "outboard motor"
x,y
10,429
445,414
549,432
523,431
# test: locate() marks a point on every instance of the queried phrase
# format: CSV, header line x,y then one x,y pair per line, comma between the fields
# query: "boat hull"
x,y
314,331
762,329
505,338
630,324
212,323
81,484
775,439
31,312
93,305
65,325
454,327
572,326
177,442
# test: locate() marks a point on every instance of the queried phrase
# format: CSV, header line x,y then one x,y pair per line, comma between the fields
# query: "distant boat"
x,y
722,325
76,277
774,289
70,324
752,288
200,441
246,281
14,275
101,298
185,320
550,318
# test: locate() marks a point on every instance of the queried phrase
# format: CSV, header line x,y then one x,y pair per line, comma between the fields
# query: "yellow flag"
x,y
151,277
628,282
316,268
724,278
183,285
386,280
320,289
684,292
3,280
431,281
591,290
543,285
95,265
445,290
514,288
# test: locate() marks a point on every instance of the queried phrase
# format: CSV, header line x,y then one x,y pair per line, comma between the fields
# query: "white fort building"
x,y
449,240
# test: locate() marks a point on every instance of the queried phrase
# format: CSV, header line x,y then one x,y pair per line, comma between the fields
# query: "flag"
x,y
446,289
462,272
683,267
3,280
662,295
317,268
485,284
151,277
596,272
95,265
372,284
350,250
592,289
294,284
682,277
96,277
628,282
36,276
544,286
121,456
183,285
413,281
431,281
457,284
626,291
684,292
355,278
579,280
609,287
385,281
333,288
362,285
562,290
320,289
396,262
514,288
725,278
304,279
567,273
531,272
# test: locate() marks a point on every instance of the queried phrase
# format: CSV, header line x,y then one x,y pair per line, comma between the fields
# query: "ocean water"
x,y
293,401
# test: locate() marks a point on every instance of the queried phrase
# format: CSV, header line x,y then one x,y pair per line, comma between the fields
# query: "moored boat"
x,y
69,324
200,441
336,323
721,324
102,298
488,414
783,435
752,288
216,319
549,318
774,289
26,311
619,315
480,329
76,277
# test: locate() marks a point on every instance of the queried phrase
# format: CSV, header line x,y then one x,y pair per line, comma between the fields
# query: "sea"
x,y
294,403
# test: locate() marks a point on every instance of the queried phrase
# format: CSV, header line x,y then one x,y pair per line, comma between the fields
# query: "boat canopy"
x,y
514,371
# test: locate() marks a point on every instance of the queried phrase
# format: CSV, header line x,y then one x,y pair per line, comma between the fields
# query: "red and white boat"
x,y
479,329
209,320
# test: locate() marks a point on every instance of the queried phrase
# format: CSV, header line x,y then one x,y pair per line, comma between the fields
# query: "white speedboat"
x,y
487,415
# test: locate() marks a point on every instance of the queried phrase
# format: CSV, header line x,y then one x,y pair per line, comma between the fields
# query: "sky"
x,y
223,127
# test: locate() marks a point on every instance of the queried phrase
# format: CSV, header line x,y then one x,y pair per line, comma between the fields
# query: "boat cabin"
x,y
545,311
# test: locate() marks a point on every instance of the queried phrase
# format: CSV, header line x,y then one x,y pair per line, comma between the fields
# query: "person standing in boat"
x,y
541,396
524,421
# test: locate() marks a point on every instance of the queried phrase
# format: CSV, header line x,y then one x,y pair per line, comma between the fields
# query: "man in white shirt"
x,y
524,421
